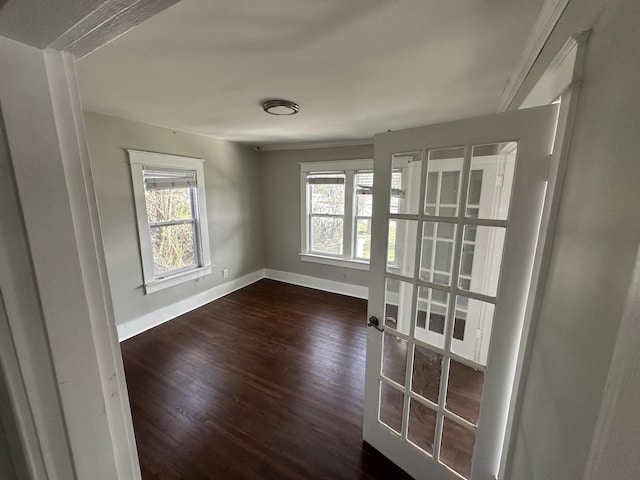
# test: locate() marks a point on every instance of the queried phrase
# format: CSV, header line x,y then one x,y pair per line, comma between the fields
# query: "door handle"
x,y
375,323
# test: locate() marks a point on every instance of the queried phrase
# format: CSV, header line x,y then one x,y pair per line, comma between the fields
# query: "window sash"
x,y
318,175
170,179
154,171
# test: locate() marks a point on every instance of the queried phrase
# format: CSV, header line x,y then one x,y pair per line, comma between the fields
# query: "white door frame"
x,y
57,298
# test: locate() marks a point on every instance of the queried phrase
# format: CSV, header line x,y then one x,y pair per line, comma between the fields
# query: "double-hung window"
x,y
170,203
336,212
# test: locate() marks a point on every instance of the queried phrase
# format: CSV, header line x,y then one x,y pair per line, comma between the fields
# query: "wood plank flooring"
x,y
265,383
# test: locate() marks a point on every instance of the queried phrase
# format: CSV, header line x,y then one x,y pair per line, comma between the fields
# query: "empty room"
x,y
292,239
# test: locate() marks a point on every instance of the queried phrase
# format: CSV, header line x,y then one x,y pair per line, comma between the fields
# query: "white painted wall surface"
x,y
614,451
67,316
234,206
7,472
594,247
281,194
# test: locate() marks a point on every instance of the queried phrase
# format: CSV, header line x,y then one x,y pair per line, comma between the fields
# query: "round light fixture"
x,y
280,107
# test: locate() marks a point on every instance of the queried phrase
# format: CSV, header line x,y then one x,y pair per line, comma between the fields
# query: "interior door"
x,y
456,214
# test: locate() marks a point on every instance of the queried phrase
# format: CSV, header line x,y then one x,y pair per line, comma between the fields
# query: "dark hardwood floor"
x,y
265,383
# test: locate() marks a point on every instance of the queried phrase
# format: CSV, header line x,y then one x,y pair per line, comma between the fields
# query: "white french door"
x,y
455,222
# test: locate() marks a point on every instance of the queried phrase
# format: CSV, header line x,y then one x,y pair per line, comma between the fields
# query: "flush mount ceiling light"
x,y
280,107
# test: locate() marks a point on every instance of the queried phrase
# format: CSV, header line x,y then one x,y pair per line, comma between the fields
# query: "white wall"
x,y
594,247
281,194
66,380
234,206
614,451
7,472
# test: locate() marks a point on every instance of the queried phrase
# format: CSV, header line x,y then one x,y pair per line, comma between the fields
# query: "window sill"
x,y
178,278
335,262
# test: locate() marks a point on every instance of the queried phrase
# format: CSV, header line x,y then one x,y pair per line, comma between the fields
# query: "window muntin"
x,y
170,202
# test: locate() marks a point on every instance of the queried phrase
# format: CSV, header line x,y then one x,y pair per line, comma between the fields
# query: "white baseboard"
x,y
141,324
153,319
319,283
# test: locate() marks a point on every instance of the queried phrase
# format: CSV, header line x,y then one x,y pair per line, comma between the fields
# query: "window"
x,y
169,197
337,198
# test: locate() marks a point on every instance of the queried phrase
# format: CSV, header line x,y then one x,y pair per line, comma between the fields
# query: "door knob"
x,y
375,323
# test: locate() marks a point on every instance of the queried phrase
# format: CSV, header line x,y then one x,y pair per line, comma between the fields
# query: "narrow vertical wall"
x,y
63,332
614,451
594,247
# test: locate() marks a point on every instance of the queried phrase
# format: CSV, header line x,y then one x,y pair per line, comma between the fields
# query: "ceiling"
x,y
356,67
39,23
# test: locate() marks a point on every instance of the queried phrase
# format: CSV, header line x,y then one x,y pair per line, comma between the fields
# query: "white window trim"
x,y
350,167
138,160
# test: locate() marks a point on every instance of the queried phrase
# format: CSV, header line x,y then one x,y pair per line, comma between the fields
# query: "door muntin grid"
x,y
455,299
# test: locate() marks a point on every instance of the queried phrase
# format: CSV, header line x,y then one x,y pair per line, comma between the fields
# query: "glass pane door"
x,y
447,220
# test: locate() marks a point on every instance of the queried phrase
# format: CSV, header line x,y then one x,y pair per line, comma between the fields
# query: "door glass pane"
x,y
491,180
464,391
436,257
394,358
391,406
397,305
397,193
406,173
449,188
401,246
456,450
481,259
444,173
472,329
475,188
432,189
364,193
427,367
431,314
422,426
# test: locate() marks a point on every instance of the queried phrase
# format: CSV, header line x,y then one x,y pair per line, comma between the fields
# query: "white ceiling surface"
x,y
356,67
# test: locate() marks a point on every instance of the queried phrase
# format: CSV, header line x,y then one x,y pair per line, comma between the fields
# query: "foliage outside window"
x,y
169,197
337,199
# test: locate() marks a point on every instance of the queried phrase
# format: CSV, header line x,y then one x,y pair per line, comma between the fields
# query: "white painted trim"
x,y
25,354
313,145
335,262
337,165
547,18
331,286
69,120
565,69
541,264
143,157
138,160
349,168
153,319
177,279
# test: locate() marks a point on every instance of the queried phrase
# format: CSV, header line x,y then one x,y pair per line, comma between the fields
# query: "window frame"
x,y
138,161
349,226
